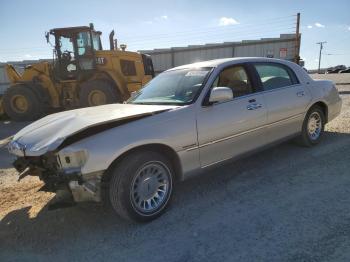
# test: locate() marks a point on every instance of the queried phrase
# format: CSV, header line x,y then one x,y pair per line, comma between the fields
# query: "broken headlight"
x,y
72,160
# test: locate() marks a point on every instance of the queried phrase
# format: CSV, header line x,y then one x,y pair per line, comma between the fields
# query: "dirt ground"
x,y
287,203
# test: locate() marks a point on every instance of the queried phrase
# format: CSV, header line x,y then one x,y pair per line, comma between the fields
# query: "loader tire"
x,y
98,92
21,103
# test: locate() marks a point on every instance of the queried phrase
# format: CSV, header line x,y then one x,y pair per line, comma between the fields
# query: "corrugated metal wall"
x,y
164,59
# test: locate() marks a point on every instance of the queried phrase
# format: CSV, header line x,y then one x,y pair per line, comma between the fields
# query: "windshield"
x,y
83,43
96,41
178,87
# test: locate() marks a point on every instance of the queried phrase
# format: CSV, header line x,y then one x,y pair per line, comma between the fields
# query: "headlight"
x,y
69,160
16,148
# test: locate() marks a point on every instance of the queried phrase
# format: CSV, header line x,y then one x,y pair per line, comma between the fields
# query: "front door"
x,y
231,128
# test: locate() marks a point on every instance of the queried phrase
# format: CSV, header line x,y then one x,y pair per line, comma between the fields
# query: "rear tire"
x,y
21,103
313,127
98,92
141,186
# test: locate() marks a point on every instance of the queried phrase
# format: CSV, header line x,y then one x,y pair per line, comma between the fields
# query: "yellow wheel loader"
x,y
81,75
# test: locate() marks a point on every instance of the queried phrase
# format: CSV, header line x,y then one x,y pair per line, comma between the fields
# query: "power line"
x,y
204,31
232,33
209,29
218,38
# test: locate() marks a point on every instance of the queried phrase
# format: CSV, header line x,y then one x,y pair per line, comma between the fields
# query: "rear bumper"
x,y
334,110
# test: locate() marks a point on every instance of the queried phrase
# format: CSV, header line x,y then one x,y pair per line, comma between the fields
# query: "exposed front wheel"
x,y
313,127
141,186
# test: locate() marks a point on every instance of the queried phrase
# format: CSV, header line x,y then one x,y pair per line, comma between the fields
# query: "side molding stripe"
x,y
244,132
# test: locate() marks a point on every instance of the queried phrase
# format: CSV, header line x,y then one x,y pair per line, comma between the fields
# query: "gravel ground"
x,y
286,203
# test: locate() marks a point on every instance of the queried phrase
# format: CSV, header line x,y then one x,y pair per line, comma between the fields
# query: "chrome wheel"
x,y
150,187
314,126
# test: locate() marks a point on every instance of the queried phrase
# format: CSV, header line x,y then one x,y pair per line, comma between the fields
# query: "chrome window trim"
x,y
279,88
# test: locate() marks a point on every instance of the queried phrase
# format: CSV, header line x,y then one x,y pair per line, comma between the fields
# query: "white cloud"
x,y
349,28
309,26
161,18
157,19
319,25
28,56
224,21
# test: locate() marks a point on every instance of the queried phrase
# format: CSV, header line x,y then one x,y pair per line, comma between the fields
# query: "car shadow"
x,y
49,230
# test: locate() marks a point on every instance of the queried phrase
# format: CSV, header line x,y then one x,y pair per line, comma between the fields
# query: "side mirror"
x,y
220,94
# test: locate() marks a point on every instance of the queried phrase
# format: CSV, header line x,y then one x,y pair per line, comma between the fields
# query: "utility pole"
x,y
320,55
297,41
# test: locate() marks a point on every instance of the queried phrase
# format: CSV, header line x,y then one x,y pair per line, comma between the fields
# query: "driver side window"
x,y
236,78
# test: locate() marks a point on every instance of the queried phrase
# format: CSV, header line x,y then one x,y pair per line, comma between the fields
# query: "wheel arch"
x,y
323,106
165,150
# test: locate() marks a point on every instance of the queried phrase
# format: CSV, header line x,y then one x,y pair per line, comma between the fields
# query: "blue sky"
x,y
160,24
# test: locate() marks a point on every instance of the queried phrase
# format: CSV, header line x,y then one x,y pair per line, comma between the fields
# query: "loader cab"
x,y
75,51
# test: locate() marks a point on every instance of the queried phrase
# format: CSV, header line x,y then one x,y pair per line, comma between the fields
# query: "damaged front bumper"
x,y
82,187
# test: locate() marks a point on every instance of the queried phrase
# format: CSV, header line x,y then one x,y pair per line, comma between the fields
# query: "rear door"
x,y
286,99
231,128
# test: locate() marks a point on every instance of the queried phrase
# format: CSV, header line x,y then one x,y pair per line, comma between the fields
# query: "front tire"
x,y
313,127
141,186
21,103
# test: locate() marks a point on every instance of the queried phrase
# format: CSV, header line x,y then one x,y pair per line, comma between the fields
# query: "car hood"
x,y
48,133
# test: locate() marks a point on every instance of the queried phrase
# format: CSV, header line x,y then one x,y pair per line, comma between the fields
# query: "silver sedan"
x,y
186,119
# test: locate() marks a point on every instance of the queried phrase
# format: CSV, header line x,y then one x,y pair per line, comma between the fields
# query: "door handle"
x,y
254,106
300,93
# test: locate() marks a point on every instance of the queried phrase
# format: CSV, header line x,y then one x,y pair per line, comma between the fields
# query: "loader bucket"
x,y
12,73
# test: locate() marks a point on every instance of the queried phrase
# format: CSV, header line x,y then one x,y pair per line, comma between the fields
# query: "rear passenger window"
x,y
274,76
236,78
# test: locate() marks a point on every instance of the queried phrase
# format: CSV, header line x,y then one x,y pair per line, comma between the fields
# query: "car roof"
x,y
227,61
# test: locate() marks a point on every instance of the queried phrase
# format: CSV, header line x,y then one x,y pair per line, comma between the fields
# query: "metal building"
x,y
282,47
